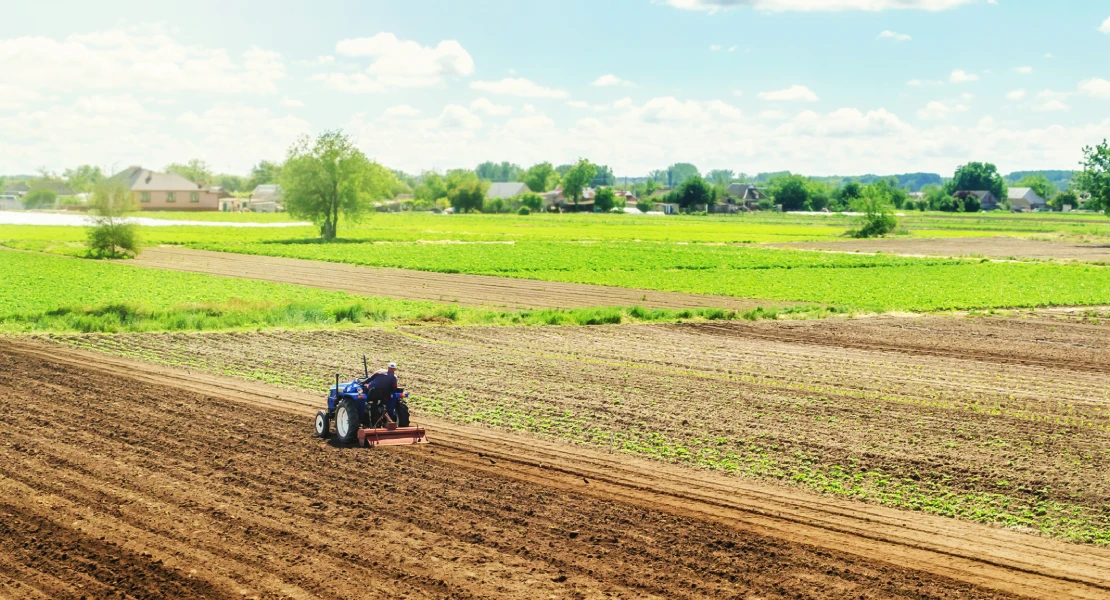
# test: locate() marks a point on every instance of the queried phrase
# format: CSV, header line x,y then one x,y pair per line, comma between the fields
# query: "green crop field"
x,y
40,292
713,255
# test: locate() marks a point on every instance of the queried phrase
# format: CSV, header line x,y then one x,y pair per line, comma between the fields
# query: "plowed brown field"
x,y
469,290
127,478
995,247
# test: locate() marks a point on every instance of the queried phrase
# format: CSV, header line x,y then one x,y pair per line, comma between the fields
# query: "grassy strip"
x,y
236,314
41,292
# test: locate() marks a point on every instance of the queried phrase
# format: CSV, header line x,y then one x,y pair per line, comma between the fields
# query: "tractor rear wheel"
x,y
402,413
346,422
322,424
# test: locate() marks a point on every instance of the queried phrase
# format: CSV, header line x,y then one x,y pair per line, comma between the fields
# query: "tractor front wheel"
x,y
346,422
322,424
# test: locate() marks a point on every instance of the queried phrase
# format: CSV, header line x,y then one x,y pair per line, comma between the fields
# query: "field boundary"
x,y
992,557
452,288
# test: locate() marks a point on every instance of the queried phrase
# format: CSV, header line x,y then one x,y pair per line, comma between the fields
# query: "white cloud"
x,y
967,96
1105,27
1096,88
401,111
587,106
794,93
1052,95
291,102
774,115
713,6
716,47
1051,106
921,83
938,111
961,76
610,80
517,87
1023,70
848,122
457,117
894,35
319,61
145,58
396,63
738,93
485,107
13,96
1015,95
1049,55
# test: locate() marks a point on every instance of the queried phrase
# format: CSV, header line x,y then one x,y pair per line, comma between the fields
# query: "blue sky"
x,y
813,86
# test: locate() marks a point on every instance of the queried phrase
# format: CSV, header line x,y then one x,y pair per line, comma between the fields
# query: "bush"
x,y
495,205
39,198
878,217
605,200
644,206
111,235
532,201
468,197
972,204
524,211
766,204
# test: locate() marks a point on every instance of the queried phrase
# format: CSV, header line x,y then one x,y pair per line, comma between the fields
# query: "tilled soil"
x,y
1002,421
468,290
993,247
122,482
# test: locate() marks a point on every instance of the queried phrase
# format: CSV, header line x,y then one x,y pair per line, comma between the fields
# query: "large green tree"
x,y
265,172
1039,184
502,172
694,191
541,177
605,200
791,191
977,176
603,177
83,179
468,196
577,178
196,170
42,197
432,187
328,176
680,172
1095,177
718,176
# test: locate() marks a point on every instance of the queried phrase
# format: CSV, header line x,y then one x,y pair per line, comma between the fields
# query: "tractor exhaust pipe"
x,y
365,367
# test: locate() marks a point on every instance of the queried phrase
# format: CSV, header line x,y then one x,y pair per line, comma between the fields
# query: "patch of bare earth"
x,y
992,247
120,481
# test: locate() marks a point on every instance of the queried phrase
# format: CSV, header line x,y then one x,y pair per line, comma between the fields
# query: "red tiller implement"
x,y
401,436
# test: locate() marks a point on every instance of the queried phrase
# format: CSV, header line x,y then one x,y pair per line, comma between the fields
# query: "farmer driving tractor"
x,y
380,390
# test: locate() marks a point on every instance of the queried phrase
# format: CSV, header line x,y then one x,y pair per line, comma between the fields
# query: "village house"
x,y
987,200
167,191
1025,199
506,190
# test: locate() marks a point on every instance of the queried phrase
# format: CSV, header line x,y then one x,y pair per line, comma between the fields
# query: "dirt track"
x,y
469,290
232,486
993,247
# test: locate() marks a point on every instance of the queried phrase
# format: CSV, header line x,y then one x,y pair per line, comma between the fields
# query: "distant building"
x,y
269,192
987,201
506,190
167,191
1025,199
741,197
10,202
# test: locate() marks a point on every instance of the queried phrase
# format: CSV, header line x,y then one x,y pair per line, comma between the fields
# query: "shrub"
x,y
532,201
644,206
524,211
111,235
878,218
39,198
766,204
605,200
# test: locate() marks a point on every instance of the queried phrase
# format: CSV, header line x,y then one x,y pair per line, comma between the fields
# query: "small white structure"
x,y
10,202
1025,199
506,190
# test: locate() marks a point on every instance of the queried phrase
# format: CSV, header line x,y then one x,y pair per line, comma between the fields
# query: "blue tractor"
x,y
360,416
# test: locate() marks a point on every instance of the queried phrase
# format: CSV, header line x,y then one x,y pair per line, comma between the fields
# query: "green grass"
x,y
40,292
684,254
